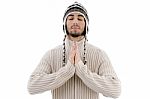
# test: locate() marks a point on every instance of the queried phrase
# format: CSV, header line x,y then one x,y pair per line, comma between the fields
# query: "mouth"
x,y
75,27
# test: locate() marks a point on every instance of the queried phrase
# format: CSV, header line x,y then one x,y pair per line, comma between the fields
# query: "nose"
x,y
75,24
75,21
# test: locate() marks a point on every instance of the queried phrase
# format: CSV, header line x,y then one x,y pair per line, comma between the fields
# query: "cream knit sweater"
x,y
77,81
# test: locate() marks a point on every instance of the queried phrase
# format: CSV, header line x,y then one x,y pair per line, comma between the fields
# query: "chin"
x,y
75,34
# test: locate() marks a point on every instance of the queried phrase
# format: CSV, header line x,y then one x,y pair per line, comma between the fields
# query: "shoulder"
x,y
92,48
55,49
51,52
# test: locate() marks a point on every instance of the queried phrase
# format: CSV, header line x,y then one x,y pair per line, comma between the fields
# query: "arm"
x,y
42,79
105,82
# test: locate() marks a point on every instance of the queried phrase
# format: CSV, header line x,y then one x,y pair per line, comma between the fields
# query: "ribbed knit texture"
x,y
77,81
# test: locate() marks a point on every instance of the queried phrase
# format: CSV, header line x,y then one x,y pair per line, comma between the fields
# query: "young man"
x,y
76,69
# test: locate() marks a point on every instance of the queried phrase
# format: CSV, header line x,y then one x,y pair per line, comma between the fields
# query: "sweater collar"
x,y
69,43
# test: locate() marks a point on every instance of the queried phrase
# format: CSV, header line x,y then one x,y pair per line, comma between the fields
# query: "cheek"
x,y
68,24
82,25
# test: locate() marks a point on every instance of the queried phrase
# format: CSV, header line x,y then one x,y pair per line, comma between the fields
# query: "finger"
x,y
75,45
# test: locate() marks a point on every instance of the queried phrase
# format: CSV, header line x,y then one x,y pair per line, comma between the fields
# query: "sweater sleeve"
x,y
105,81
42,79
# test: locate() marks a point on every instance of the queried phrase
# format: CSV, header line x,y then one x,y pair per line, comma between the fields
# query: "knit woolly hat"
x,y
76,7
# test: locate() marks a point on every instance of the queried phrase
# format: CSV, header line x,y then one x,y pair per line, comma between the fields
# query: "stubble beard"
x,y
75,34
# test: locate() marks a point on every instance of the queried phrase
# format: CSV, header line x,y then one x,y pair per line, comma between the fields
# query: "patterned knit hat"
x,y
76,7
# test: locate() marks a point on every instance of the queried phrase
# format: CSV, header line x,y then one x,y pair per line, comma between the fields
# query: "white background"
x,y
28,28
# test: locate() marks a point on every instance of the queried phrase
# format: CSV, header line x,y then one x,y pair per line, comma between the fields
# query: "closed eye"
x,y
79,19
71,19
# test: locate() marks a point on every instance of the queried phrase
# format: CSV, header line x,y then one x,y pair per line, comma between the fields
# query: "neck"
x,y
75,38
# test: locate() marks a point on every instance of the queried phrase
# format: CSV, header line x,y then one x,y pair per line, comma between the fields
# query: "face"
x,y
75,24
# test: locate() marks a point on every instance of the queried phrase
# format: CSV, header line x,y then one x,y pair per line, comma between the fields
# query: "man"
x,y
76,69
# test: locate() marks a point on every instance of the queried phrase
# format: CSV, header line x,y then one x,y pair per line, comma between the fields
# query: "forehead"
x,y
75,13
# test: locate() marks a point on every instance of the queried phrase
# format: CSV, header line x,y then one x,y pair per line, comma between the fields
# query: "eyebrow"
x,y
70,15
78,15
